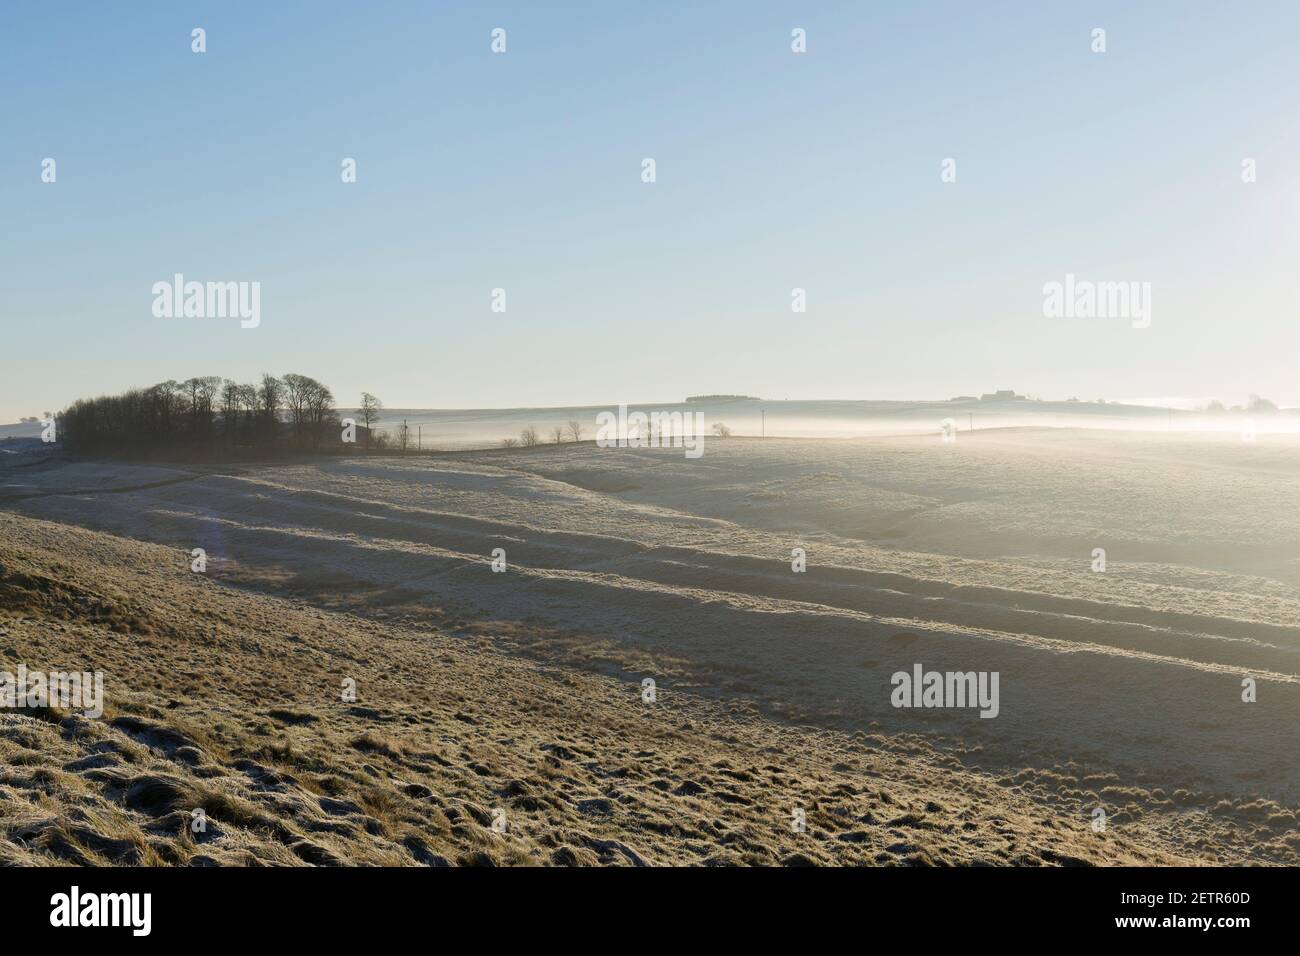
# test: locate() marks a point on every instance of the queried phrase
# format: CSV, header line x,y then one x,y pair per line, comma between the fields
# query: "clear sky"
x,y
774,170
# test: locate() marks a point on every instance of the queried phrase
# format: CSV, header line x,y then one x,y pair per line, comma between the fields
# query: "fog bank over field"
x,y
467,428
479,428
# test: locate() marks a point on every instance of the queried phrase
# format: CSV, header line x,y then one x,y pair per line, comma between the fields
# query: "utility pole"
x,y
972,420
763,412
419,438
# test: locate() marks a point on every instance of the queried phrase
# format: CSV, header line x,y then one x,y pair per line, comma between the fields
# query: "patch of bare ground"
x,y
231,703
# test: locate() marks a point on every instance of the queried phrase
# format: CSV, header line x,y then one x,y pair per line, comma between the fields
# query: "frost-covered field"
x,y
1119,688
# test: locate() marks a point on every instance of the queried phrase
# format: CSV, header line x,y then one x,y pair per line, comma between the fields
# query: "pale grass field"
x,y
521,691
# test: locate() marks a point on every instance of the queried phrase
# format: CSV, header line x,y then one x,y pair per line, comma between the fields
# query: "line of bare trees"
x,y
529,437
208,416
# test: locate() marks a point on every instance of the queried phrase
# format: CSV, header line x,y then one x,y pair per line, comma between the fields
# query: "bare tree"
x,y
509,442
248,401
201,393
575,429
557,434
209,389
721,430
528,437
310,405
270,397
402,435
297,389
369,412
230,402
320,411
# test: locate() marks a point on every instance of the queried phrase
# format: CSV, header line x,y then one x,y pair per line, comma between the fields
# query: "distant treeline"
x,y
211,417
691,399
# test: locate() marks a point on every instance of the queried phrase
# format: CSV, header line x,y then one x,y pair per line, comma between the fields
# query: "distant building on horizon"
x,y
1001,395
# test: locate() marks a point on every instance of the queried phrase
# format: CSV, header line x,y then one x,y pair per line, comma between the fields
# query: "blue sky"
x,y
775,171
